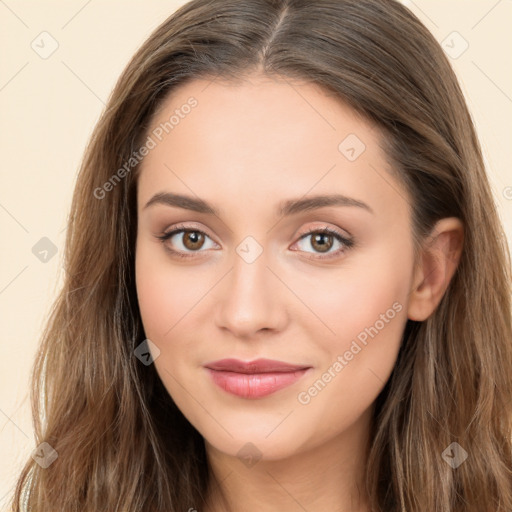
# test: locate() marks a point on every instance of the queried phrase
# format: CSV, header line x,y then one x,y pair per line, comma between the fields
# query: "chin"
x,y
251,447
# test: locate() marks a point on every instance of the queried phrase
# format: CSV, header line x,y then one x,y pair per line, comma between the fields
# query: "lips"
x,y
256,366
254,379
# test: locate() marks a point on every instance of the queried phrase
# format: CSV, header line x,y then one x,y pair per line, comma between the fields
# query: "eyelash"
x,y
347,243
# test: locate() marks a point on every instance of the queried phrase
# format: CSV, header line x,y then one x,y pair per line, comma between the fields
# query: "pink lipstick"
x,y
254,379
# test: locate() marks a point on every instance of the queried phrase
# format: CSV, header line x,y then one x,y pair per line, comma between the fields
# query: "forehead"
x,y
262,138
279,110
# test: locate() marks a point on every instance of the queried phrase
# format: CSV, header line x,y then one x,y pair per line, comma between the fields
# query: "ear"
x,y
436,265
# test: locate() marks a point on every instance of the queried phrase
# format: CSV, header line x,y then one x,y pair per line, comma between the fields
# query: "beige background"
x,y
50,105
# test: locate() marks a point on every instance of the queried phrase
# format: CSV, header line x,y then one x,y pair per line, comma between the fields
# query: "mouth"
x,y
254,379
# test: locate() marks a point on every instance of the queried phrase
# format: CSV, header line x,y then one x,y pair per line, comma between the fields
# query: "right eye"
x,y
188,241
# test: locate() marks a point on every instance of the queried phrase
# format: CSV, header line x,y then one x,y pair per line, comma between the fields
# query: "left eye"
x,y
322,241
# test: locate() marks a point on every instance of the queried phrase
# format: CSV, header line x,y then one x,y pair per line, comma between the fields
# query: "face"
x,y
255,265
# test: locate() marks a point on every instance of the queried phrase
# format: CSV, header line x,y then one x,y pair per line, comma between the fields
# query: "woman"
x,y
287,287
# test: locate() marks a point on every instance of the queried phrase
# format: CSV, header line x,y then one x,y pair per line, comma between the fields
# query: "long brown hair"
x,y
122,444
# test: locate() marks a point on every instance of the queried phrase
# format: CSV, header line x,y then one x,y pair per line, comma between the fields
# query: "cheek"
x,y
366,308
157,303
365,291
166,291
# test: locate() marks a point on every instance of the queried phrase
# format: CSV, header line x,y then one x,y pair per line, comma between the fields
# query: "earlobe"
x,y
437,264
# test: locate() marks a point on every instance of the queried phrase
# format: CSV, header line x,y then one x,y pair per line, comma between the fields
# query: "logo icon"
x,y
147,352
249,249
351,147
45,45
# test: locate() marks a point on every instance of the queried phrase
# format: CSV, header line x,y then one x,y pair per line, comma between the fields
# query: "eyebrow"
x,y
286,208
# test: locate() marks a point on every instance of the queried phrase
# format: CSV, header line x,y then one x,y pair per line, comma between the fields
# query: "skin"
x,y
245,148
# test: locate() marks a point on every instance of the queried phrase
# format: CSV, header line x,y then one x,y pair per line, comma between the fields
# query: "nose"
x,y
250,299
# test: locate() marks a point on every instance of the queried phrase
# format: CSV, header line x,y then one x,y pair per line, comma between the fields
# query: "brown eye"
x,y
322,242
193,240
185,242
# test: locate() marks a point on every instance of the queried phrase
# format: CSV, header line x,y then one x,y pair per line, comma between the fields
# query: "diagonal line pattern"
x,y
492,81
376,375
486,14
406,199
424,13
13,279
289,83
9,418
14,76
282,421
13,13
76,14
14,218
83,82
